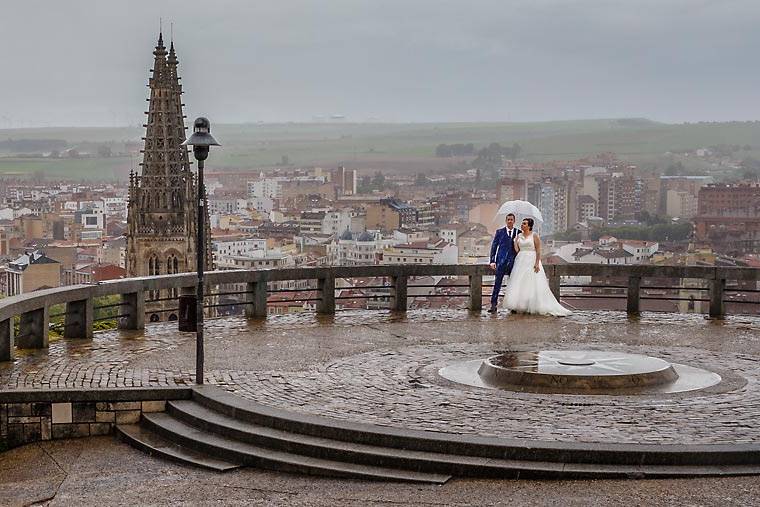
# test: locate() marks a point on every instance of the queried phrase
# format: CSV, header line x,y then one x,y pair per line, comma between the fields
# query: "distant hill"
x,y
404,146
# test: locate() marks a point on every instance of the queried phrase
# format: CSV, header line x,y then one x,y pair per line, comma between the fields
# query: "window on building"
x,y
154,268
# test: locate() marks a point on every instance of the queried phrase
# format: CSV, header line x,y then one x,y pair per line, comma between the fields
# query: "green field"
x,y
86,169
251,146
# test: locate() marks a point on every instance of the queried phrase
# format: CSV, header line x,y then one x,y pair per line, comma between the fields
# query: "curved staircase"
x,y
221,431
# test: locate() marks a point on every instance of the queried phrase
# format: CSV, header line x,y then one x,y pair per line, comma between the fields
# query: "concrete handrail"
x,y
33,308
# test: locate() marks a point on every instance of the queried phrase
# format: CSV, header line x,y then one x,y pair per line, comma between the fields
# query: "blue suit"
x,y
503,255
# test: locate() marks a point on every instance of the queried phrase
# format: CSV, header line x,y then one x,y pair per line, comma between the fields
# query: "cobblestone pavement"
x,y
402,388
381,368
102,471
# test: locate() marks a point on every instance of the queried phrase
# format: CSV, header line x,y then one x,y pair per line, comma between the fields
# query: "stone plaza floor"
x,y
102,471
382,368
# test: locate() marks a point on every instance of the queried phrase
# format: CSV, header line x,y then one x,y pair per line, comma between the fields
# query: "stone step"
x,y
585,470
252,455
634,456
204,418
156,445
463,466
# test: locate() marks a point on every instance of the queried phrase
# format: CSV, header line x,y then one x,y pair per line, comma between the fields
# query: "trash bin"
x,y
187,310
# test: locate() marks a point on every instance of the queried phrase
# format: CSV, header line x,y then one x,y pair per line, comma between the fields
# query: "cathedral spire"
x,y
162,209
164,156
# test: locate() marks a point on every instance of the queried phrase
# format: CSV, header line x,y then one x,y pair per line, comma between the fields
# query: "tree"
x,y
443,150
365,185
751,163
104,151
568,235
378,181
674,169
516,150
659,232
650,219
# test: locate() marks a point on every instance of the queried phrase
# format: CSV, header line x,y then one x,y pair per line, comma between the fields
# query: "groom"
x,y
502,257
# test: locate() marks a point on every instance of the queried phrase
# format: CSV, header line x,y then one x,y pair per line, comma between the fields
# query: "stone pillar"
x,y
476,293
256,299
78,321
554,282
6,340
134,308
717,307
399,293
33,329
634,290
326,289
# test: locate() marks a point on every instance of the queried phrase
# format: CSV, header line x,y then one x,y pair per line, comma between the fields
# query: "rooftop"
x,y
36,257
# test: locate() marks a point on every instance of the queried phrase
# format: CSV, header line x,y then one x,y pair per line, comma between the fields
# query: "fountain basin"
x,y
576,370
579,372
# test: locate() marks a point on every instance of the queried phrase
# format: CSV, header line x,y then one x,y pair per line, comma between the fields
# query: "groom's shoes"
x,y
492,309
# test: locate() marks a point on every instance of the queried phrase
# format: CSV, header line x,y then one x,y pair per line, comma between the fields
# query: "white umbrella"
x,y
521,209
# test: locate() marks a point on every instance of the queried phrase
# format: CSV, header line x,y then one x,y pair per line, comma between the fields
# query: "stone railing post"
x,y
399,293
256,299
554,280
187,313
6,340
133,308
33,329
79,317
476,293
634,291
717,306
326,290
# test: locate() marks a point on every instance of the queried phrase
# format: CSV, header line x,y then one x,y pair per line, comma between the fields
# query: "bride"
x,y
528,289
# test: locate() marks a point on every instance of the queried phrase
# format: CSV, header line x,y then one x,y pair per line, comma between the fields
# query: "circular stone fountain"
x,y
579,372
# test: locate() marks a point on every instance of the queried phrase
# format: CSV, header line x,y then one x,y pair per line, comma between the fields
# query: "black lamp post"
x,y
201,141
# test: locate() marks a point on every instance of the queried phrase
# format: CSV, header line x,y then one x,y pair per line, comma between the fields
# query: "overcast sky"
x,y
86,62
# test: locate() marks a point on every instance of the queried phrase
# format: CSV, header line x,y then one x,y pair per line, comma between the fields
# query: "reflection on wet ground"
x,y
161,355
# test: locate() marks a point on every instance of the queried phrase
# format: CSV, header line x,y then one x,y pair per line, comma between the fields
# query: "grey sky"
x,y
85,62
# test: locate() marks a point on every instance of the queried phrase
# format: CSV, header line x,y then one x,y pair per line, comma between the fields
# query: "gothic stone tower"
x,y
162,209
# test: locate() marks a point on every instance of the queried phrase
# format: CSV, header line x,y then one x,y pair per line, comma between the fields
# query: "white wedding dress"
x,y
528,291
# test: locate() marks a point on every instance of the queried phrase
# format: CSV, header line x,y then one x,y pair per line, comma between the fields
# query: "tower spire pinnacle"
x,y
171,65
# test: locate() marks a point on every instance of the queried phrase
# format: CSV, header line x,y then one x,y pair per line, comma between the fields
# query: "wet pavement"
x,y
382,368
102,471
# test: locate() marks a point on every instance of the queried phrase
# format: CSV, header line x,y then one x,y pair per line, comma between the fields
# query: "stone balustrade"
x,y
32,311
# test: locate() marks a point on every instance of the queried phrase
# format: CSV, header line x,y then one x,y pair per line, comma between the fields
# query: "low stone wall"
x,y
27,417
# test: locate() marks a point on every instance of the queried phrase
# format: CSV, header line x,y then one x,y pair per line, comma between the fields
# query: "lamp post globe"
x,y
201,140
